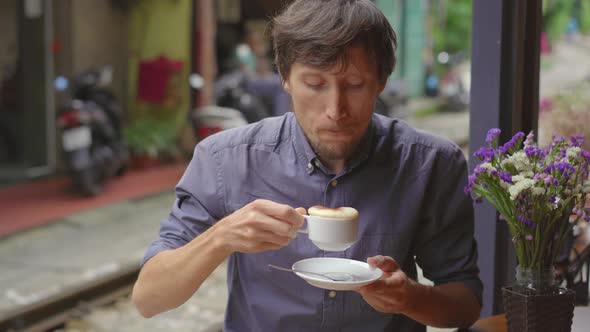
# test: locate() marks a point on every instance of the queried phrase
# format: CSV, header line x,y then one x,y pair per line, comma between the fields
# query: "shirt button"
x,y
332,294
309,165
334,183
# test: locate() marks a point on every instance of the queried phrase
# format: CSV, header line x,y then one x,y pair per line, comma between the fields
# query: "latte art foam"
x,y
343,213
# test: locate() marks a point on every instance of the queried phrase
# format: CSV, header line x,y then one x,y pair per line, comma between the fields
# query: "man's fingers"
x,y
301,211
270,224
279,211
385,263
269,237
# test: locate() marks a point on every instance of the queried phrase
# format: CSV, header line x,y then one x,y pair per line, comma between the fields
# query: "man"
x,y
236,199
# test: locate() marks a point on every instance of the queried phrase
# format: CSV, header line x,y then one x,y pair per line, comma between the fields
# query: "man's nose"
x,y
336,106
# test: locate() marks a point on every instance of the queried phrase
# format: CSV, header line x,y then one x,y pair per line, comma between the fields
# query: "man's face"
x,y
334,106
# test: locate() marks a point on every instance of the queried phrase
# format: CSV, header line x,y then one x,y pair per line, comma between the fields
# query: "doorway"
x,y
27,135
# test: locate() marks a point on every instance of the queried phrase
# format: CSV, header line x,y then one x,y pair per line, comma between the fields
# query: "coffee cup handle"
x,y
304,231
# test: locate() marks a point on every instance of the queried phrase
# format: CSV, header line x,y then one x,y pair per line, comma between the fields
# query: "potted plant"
x,y
152,141
540,193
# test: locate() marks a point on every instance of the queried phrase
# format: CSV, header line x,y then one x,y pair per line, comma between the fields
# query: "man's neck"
x,y
334,165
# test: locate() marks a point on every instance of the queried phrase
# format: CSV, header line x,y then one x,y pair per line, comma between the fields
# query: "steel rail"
x,y
60,308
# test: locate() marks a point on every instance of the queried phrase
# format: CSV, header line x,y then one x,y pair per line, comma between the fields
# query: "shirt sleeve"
x,y
445,248
198,205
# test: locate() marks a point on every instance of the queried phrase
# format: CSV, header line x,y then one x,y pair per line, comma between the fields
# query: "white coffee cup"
x,y
332,234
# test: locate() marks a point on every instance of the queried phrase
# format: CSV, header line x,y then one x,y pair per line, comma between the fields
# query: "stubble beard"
x,y
329,151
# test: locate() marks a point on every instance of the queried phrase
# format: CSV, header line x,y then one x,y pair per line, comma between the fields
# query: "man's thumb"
x,y
301,211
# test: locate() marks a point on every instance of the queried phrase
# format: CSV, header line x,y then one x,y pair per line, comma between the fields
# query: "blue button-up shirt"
x,y
406,184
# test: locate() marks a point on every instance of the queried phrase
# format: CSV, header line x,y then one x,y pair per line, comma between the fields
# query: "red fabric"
x,y
153,79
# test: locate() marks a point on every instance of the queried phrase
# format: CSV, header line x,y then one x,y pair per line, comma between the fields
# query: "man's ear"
x,y
286,85
381,87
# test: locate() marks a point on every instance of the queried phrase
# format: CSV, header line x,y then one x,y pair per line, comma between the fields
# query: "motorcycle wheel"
x,y
123,156
88,182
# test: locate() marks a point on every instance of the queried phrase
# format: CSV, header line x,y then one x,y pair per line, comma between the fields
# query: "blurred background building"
x,y
153,47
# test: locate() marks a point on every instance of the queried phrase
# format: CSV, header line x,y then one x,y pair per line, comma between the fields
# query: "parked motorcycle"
x,y
393,101
455,85
231,92
90,126
210,119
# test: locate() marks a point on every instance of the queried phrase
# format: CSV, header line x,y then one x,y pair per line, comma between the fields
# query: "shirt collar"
x,y
310,159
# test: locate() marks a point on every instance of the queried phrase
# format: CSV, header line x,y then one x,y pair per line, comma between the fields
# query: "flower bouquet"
x,y
540,193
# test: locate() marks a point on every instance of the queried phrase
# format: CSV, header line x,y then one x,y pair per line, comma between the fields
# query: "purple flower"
x,y
478,170
530,139
564,168
532,151
501,217
471,181
492,135
557,139
506,177
513,143
548,180
528,237
467,190
577,140
529,223
552,199
563,152
586,155
485,153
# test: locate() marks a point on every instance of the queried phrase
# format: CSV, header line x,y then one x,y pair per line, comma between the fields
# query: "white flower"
x,y
538,191
556,204
573,152
520,161
517,178
519,187
488,167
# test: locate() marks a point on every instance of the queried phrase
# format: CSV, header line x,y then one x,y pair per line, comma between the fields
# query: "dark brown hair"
x,y
319,32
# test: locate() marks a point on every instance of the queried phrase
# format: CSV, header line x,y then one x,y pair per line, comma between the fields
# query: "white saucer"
x,y
360,273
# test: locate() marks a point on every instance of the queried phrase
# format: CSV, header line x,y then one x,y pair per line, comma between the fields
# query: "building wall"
x,y
8,35
90,34
99,37
408,20
161,27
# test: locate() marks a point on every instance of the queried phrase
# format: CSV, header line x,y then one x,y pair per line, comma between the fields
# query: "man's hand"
x,y
259,226
393,292
446,305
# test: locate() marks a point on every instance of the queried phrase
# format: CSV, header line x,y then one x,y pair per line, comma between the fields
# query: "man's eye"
x,y
355,85
315,86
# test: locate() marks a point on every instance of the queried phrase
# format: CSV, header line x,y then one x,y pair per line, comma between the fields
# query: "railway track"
x,y
58,309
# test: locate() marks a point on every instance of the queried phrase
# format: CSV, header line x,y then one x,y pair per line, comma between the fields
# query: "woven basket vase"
x,y
539,313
